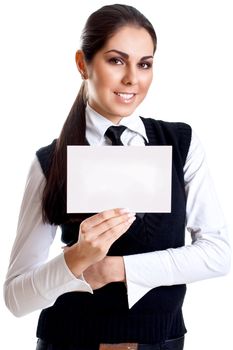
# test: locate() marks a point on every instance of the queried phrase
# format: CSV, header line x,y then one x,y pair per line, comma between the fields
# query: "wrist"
x,y
75,261
114,269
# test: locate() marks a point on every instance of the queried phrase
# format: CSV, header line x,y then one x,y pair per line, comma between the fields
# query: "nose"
x,y
130,77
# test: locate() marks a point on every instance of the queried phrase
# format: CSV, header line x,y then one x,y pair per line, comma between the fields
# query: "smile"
x,y
125,95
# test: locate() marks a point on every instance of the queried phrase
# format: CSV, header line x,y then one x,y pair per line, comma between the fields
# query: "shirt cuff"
x,y
61,281
135,291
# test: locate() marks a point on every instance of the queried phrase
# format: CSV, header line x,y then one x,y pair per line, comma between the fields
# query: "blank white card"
x,y
105,177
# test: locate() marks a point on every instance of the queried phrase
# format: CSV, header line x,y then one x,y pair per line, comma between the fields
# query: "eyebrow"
x,y
126,56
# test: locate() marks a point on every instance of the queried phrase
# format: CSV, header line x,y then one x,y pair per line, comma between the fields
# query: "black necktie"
x,y
114,134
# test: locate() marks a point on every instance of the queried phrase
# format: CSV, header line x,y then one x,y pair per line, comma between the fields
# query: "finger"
x,y
109,224
111,235
97,219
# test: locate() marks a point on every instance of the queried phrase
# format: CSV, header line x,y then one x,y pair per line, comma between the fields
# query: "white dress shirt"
x,y
33,282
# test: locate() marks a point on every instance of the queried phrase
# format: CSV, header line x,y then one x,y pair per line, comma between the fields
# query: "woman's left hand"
x,y
110,269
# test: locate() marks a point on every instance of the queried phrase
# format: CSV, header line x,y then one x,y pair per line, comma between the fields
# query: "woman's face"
x,y
120,74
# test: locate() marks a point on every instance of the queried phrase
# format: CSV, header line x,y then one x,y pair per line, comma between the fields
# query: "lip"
x,y
125,97
124,92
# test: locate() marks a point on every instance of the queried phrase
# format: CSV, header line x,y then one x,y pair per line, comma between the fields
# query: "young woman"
x,y
121,278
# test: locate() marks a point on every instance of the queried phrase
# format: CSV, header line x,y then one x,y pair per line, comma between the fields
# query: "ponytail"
x,y
72,133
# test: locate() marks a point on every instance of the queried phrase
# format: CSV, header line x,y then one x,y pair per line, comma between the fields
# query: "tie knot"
x,y
114,134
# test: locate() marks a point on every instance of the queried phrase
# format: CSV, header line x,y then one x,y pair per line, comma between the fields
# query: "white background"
x,y
193,83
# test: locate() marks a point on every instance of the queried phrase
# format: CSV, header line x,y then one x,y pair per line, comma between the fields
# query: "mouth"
x,y
125,96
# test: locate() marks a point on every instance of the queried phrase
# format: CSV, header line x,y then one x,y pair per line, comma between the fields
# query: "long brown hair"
x,y
100,26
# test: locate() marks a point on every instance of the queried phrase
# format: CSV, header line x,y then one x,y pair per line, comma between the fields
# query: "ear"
x,y
81,65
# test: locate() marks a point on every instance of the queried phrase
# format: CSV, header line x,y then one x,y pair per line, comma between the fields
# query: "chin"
x,y
125,110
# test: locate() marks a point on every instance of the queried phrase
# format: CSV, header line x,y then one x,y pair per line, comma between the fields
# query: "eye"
x,y
116,60
145,65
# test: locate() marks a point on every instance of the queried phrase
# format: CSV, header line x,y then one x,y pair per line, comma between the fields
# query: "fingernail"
x,y
130,220
131,214
124,210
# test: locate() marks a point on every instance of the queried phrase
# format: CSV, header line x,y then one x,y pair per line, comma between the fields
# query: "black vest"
x,y
104,317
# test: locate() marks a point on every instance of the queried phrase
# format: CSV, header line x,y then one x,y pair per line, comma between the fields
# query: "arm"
x,y
32,282
208,256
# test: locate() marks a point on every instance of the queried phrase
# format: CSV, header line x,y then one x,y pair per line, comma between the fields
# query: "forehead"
x,y
131,40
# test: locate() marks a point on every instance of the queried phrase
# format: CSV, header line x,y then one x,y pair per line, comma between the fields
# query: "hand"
x,y
110,269
96,235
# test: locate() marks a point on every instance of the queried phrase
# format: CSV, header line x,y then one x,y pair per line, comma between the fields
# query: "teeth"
x,y
125,96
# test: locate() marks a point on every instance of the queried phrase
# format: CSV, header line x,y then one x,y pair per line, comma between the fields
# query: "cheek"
x,y
146,82
101,80
103,74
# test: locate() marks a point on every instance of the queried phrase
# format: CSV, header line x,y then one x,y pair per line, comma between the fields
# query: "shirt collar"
x,y
96,125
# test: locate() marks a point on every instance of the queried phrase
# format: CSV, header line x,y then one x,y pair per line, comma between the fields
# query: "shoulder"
x,y
196,149
178,134
45,155
177,127
43,151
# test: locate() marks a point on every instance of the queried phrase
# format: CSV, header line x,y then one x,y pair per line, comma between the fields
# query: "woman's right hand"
x,y
96,235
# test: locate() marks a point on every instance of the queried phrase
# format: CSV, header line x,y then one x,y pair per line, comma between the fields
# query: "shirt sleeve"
x,y
208,255
33,282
